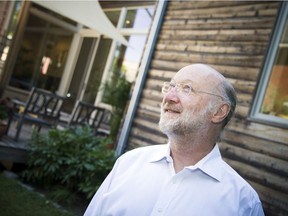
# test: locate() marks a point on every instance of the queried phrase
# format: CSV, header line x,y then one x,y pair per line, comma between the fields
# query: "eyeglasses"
x,y
184,89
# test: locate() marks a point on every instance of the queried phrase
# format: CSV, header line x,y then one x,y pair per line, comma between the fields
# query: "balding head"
x,y
212,81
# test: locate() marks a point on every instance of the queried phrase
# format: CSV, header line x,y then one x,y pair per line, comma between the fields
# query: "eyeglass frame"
x,y
191,89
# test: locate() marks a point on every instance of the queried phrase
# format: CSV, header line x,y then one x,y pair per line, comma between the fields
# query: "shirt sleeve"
x,y
257,210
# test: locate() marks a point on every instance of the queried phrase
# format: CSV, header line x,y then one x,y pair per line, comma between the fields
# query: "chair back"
x,y
44,104
86,114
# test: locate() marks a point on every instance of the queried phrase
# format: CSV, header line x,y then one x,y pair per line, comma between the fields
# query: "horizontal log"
x,y
271,196
244,99
229,71
243,86
227,59
147,137
148,114
265,162
221,23
136,143
170,65
235,49
255,144
217,34
152,108
154,95
261,131
147,123
155,84
157,77
233,11
177,5
164,75
191,43
238,72
241,111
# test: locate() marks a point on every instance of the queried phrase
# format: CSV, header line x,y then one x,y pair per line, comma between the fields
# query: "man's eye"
x,y
186,88
172,85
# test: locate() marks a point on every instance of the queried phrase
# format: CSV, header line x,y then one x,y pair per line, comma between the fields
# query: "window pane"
x,y
276,97
138,18
113,16
97,71
42,55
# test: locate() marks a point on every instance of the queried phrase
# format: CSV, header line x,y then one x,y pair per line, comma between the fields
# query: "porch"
x,y
12,151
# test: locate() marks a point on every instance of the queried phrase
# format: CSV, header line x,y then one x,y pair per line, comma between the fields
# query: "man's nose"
x,y
171,95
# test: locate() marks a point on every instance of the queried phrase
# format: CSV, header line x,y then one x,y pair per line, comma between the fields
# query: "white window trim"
x,y
255,114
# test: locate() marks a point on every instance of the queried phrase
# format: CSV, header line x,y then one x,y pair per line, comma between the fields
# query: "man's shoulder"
x,y
231,175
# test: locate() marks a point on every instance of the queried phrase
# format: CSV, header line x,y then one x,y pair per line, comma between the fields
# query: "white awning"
x,y
88,13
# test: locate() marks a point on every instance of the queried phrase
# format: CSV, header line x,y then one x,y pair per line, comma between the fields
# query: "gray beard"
x,y
189,122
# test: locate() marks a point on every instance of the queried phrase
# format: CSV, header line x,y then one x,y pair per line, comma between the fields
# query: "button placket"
x,y
167,193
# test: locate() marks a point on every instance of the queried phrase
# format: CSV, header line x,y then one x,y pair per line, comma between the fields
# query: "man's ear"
x,y
221,113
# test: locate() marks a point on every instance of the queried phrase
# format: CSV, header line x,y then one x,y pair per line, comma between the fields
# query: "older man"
x,y
187,176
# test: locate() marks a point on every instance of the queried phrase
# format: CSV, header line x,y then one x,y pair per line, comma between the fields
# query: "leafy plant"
x,y
73,158
3,112
117,94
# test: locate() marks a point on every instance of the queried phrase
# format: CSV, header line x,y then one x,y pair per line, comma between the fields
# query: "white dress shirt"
x,y
143,182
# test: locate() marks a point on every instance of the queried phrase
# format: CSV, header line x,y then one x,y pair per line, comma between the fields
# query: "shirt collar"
x,y
210,164
160,153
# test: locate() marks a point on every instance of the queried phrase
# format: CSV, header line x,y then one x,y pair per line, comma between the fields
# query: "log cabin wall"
x,y
233,37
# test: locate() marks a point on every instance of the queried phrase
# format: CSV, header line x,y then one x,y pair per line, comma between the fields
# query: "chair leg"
x,y
18,130
8,125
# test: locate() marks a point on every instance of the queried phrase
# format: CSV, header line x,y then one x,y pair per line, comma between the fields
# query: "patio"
x,y
12,151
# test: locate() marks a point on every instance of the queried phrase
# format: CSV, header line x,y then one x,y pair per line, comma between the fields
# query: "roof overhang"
x,y
88,13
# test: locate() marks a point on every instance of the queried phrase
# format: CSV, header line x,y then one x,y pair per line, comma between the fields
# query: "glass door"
x,y
95,76
81,72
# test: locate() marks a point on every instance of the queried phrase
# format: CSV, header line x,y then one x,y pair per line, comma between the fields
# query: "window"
x,y
134,24
42,55
271,100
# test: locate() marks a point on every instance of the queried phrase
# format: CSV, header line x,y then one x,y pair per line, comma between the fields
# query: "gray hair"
x,y
229,95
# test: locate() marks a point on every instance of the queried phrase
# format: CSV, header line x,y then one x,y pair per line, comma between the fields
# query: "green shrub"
x,y
72,158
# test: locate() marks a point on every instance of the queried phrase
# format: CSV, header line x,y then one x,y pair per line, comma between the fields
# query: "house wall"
x,y
233,37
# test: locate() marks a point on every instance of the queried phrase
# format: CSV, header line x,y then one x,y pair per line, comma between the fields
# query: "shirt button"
x,y
160,210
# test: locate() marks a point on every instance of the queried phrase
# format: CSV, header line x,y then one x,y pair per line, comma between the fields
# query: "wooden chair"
x,y
41,109
86,114
104,127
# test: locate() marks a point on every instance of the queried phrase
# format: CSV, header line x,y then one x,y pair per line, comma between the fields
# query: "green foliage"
x,y
117,94
73,158
3,112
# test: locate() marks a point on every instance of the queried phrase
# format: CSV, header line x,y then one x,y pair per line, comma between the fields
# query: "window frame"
x,y
255,114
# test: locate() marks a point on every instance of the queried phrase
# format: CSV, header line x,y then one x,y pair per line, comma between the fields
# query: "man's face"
x,y
181,113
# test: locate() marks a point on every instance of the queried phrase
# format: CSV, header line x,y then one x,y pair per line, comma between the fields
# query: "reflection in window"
x,y
41,39
139,18
271,103
276,96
